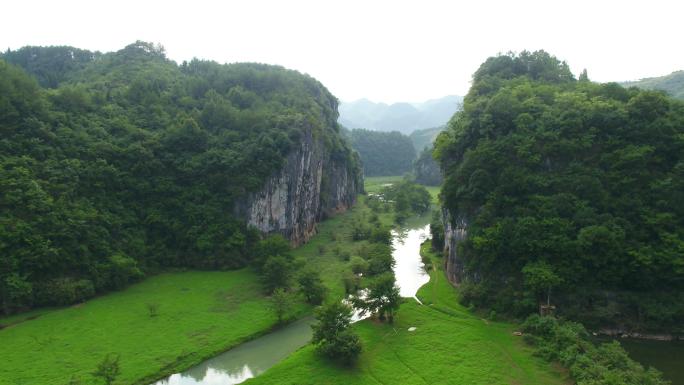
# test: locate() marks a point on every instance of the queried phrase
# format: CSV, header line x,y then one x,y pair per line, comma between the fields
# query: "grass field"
x,y
449,346
374,184
200,315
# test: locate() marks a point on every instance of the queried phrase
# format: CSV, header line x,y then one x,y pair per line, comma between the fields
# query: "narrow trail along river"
x,y
255,357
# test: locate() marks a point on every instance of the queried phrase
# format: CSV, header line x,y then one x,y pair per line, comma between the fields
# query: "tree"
x,y
277,272
312,286
108,369
281,301
539,276
332,335
382,298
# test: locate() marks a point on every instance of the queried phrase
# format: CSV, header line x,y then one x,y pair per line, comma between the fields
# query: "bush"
x,y
332,334
64,291
358,265
312,286
568,343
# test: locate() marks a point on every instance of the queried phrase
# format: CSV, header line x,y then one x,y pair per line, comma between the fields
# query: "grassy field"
x,y
449,346
200,314
374,184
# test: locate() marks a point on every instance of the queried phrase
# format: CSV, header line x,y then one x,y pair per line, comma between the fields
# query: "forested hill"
x,y
383,153
673,84
125,162
566,191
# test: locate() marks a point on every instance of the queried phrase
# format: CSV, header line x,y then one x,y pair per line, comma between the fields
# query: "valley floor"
x,y
200,315
450,345
204,313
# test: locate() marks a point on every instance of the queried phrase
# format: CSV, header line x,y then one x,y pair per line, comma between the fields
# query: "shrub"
x,y
64,291
568,343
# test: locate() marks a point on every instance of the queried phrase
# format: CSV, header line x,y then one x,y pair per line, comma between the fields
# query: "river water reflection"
x,y
409,269
247,360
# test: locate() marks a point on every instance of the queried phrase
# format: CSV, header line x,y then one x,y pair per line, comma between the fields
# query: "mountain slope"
x,y
134,163
673,84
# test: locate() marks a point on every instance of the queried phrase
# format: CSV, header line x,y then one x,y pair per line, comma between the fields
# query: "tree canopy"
x,y
129,162
383,153
584,179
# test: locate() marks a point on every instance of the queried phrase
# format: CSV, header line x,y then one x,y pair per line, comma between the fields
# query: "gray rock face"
x,y
455,231
311,185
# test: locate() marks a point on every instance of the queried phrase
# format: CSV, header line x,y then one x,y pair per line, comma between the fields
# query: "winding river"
x,y
255,357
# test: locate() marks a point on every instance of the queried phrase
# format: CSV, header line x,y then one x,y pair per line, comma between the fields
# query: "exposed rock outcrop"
x,y
312,185
455,230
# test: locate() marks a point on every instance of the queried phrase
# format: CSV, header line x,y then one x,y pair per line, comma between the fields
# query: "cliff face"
x,y
455,230
312,185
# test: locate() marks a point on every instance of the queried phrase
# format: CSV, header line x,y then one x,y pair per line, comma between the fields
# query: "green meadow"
x,y
450,345
200,314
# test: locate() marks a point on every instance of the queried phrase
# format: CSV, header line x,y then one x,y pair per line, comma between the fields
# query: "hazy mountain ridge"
x,y
403,117
673,83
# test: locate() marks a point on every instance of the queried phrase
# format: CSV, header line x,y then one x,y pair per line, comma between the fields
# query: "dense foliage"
x,y
383,153
578,181
426,170
134,162
332,334
407,198
568,343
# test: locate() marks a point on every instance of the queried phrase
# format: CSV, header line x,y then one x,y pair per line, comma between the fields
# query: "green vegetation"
x,y
332,335
673,84
375,184
406,199
571,186
568,343
426,170
450,345
425,138
383,153
130,164
198,315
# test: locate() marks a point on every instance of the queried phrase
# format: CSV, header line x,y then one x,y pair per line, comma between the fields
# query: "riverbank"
x,y
448,345
200,314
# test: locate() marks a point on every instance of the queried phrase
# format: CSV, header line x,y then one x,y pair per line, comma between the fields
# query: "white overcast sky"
x,y
382,50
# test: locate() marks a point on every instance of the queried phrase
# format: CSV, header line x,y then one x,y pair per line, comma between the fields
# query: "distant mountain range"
x,y
673,84
402,117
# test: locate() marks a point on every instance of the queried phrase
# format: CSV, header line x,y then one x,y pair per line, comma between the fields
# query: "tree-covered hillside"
x,y
425,137
673,84
571,192
383,153
130,162
426,170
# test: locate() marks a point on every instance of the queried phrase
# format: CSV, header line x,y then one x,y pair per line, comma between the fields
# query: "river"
x,y
254,357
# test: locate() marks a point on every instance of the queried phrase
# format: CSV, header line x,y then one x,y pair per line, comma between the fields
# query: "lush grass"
x,y
200,314
374,184
449,346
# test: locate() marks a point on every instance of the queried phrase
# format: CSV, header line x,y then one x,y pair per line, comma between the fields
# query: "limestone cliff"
x,y
313,184
455,230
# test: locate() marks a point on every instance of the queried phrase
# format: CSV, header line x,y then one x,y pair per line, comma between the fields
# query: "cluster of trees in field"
x,y
114,165
572,191
383,153
569,343
405,198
